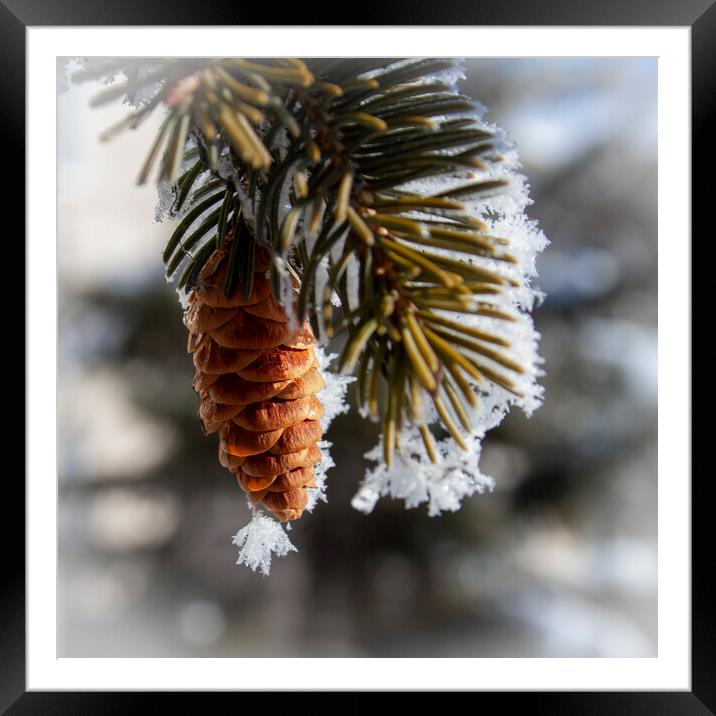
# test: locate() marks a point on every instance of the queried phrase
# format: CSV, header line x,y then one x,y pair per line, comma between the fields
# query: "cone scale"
x,y
256,379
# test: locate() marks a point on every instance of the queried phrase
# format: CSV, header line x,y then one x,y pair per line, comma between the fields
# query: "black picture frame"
x,y
17,15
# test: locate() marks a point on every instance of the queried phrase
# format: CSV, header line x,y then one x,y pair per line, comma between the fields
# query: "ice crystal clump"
x,y
333,399
415,479
333,395
165,199
260,540
320,469
65,67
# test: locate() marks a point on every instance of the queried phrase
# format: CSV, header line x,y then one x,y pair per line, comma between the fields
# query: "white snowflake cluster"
x,y
260,540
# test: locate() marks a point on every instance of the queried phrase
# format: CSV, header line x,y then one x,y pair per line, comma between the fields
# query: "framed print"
x,y
387,246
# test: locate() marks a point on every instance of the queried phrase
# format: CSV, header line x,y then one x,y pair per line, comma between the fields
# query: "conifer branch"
x,y
316,162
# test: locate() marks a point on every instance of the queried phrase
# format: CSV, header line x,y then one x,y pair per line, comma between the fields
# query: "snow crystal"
x,y
165,199
65,67
449,75
444,484
415,480
333,399
333,395
319,491
144,94
259,540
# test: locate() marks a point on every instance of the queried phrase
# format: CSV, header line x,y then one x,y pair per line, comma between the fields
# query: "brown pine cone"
x,y
256,378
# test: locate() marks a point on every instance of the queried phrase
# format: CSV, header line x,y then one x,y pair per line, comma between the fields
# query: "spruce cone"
x,y
256,379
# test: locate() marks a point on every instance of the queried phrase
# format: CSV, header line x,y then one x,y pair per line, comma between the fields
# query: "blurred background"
x,y
559,561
